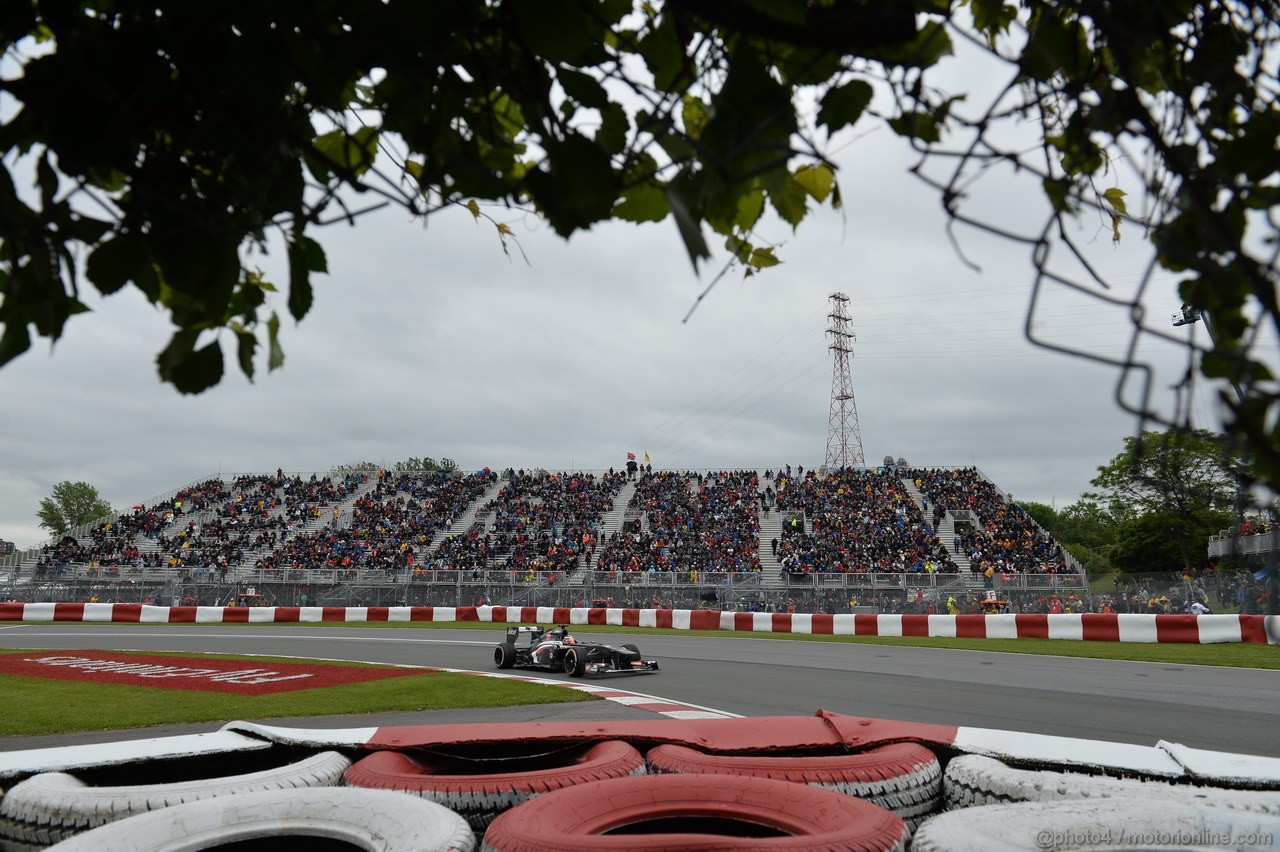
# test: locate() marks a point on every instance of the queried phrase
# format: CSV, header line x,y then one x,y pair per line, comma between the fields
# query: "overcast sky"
x,y
426,340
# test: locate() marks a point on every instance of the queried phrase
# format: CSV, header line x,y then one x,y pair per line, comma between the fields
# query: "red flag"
x,y
631,456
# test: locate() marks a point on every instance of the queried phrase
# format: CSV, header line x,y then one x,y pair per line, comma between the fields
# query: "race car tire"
x,y
905,778
504,656
52,806
974,780
481,797
1095,824
684,812
372,820
632,648
575,665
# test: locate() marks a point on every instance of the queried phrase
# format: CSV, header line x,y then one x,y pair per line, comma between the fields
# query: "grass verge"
x,y
34,706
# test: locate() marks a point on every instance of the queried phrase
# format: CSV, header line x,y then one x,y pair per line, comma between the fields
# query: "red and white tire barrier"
x,y
1095,627
678,804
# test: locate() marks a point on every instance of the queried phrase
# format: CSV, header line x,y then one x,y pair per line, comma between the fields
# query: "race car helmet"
x,y
569,640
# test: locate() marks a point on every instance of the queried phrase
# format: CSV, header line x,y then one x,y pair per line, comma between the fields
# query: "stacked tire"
x,y
481,789
1036,808
50,807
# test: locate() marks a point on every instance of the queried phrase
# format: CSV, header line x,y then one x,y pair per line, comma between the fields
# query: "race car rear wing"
x,y
513,632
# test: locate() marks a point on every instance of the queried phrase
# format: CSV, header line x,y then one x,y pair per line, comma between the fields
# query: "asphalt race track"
x,y
1224,709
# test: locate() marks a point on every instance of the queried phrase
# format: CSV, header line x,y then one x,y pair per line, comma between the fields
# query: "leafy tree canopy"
x,y
426,463
71,504
160,146
1178,472
1165,540
1178,487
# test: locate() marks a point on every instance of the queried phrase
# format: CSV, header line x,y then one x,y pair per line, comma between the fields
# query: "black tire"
x,y
481,797
52,806
686,812
905,778
575,664
504,656
632,648
342,817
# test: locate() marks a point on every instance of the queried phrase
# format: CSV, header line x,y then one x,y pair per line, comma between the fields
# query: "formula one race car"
x,y
555,650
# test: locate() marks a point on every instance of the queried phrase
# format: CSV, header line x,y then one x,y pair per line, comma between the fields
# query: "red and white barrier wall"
x,y
1097,627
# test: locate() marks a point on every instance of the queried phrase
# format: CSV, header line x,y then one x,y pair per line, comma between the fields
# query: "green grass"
x,y
34,706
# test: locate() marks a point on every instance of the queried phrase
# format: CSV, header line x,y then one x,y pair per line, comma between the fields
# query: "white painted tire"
x,y
1098,824
973,780
904,778
370,820
481,797
52,806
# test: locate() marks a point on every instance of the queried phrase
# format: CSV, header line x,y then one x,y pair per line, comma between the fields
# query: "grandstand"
x,y
888,539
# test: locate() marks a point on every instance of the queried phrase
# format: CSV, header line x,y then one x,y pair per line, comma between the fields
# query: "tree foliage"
x,y
414,464
71,504
1165,540
1178,472
166,144
1084,528
1180,487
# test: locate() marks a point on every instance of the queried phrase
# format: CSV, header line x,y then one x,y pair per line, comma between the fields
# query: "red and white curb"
x,y
638,700
1096,627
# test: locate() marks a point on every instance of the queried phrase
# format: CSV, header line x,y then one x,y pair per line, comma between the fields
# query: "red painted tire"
x,y
905,778
691,814
481,796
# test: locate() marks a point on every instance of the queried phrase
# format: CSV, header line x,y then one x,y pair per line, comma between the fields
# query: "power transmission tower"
x,y
844,439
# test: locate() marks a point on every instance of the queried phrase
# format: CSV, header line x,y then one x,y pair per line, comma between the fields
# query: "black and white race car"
x,y
554,650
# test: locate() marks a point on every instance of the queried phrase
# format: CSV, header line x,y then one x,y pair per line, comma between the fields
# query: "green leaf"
x,y
114,263
739,248
924,51
583,88
578,188
558,30
1115,197
188,369
818,179
750,209
694,114
47,180
992,18
352,153
762,258
1057,190
789,199
305,256
275,354
690,228
643,203
844,105
246,344
663,53
917,125
614,128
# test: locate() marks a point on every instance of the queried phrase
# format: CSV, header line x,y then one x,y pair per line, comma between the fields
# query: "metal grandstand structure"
x,y
844,438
